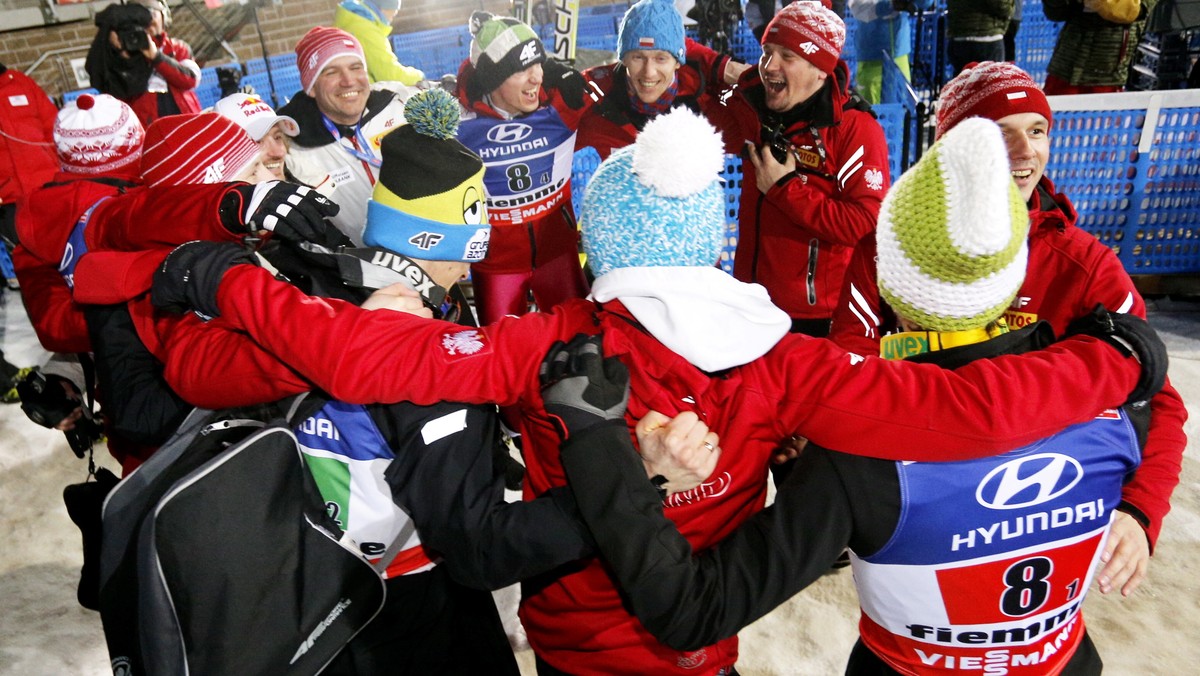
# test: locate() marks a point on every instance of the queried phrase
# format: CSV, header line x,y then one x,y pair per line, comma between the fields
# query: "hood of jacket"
x,y
313,134
703,314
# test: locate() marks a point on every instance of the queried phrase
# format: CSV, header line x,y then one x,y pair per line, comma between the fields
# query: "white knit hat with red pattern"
x,y
200,148
811,30
97,134
318,47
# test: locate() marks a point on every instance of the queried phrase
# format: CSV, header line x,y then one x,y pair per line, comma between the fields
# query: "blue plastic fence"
x,y
1131,164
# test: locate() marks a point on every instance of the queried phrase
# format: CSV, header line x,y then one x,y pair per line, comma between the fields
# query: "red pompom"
x,y
85,101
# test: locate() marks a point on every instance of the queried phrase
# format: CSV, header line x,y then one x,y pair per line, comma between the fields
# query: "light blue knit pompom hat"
x,y
658,202
652,24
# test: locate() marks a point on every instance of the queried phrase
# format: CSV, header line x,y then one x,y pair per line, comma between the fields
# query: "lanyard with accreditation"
x,y
359,141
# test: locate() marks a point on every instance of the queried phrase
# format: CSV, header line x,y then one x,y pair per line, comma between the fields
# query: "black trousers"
x,y
430,624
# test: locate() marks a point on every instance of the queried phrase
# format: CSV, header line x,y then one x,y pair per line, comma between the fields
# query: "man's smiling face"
x,y
341,90
788,78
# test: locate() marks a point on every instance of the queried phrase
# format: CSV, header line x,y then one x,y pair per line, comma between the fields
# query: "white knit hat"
x,y
952,236
97,134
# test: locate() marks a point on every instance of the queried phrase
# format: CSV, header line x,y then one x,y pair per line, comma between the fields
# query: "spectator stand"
x,y
1035,41
900,106
209,89
68,97
437,52
928,61
1131,164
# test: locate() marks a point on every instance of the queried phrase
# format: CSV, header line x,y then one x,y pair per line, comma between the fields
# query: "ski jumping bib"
x,y
992,558
347,457
527,163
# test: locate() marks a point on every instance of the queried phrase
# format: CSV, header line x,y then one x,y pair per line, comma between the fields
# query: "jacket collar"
x,y
823,109
1050,208
303,109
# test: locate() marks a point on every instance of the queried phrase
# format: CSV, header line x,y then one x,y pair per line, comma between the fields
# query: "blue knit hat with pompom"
x,y
658,202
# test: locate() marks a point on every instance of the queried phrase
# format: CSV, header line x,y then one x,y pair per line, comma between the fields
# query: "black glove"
x,y
292,212
190,275
569,83
44,399
581,387
1130,335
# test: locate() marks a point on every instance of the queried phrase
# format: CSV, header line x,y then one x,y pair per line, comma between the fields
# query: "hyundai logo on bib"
x,y
1028,481
509,133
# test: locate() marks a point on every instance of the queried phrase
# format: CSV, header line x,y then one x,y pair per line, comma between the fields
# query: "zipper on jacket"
x,y
757,236
810,278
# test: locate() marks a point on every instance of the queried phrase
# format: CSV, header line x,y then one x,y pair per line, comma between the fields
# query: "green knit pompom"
x,y
434,113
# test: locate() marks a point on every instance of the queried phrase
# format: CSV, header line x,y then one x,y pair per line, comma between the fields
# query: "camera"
x,y
129,22
779,144
46,402
85,433
133,39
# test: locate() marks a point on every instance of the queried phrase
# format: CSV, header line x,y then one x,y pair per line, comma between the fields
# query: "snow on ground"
x,y
43,631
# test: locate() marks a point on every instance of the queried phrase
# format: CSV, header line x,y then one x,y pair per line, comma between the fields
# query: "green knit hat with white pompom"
x,y
952,236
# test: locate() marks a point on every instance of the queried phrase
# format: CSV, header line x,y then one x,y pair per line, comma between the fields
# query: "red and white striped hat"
x,y
318,47
200,148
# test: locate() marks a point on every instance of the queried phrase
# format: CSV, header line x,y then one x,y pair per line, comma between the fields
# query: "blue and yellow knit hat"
x,y
652,24
429,201
658,202
952,237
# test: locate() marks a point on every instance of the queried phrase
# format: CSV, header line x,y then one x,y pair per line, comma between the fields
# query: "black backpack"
x,y
218,555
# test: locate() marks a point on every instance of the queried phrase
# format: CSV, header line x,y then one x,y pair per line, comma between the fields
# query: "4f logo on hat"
x,y
529,52
808,47
425,240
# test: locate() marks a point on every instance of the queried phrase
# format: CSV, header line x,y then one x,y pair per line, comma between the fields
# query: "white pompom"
x,y
678,154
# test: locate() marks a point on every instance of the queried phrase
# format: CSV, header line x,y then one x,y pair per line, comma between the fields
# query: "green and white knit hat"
x,y
501,46
952,236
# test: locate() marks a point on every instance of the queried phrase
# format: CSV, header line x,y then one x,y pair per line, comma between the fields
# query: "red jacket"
x,y
797,238
612,123
118,221
131,221
181,80
1069,272
803,385
108,275
27,156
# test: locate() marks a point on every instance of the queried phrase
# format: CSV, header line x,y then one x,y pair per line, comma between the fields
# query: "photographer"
x,y
134,59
